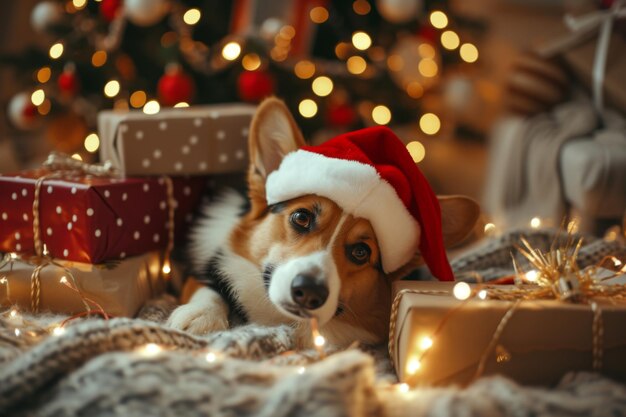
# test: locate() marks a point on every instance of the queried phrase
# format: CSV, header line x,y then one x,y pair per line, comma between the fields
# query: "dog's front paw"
x,y
198,319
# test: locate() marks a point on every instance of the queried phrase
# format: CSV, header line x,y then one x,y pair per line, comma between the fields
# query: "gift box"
x,y
197,140
94,219
119,287
437,339
581,60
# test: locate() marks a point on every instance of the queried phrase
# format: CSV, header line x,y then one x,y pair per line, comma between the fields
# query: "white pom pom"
x,y
46,15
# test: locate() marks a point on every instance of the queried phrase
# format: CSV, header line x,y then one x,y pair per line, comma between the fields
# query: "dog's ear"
x,y
273,134
458,218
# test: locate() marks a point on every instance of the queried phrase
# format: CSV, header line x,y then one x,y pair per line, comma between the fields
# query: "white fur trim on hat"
x,y
357,189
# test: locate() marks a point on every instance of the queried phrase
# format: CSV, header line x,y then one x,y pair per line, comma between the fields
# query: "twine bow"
x,y
582,27
60,164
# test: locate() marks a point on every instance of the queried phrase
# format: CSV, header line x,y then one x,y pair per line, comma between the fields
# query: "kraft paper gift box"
x,y
120,287
542,341
94,219
197,140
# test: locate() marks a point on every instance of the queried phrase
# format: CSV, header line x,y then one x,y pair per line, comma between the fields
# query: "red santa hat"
x,y
370,174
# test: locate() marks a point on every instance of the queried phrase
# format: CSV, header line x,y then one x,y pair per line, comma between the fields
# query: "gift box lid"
x,y
197,140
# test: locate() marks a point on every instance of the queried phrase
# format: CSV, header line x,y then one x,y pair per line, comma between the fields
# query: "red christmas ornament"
x,y
109,9
254,86
175,86
428,33
29,112
68,83
341,115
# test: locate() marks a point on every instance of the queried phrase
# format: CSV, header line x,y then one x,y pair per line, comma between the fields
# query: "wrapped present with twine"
x,y
89,213
115,288
555,319
198,140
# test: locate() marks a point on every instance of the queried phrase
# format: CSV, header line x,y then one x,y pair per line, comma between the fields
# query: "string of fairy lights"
x,y
359,56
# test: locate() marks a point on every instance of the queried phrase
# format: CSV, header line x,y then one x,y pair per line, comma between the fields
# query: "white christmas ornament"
x,y
458,92
146,12
22,113
270,28
399,11
46,15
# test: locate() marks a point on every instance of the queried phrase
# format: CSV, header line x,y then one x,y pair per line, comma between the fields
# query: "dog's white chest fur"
x,y
210,240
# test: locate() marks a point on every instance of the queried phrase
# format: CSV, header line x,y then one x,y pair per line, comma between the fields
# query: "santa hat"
x,y
370,174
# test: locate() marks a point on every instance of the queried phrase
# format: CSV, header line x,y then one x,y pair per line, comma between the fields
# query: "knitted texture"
x,y
98,368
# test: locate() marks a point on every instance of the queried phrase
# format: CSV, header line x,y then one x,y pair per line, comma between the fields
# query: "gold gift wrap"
x,y
119,287
439,340
199,140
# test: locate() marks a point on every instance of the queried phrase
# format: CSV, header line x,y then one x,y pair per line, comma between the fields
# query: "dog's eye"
x,y
302,220
359,253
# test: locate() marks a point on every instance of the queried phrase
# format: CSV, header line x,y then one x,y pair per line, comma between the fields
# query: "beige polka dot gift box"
x,y
196,140
94,219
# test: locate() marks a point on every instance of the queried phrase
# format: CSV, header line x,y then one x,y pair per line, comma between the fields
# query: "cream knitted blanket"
x,y
103,368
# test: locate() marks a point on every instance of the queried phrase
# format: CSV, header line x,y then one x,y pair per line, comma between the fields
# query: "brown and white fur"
x,y
250,262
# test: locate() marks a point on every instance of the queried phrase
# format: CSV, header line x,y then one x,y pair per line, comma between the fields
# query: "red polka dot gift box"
x,y
198,140
94,219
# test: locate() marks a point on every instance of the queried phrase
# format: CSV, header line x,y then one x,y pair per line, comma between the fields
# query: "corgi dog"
x,y
273,261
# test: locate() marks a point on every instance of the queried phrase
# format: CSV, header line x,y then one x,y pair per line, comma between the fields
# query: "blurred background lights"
x,y
304,69
92,142
469,53
231,51
438,19
426,51
322,86
416,150
428,67
37,97
361,40
112,88
192,16
251,62
356,65
361,7
430,123
138,99
307,108
43,75
56,50
99,58
414,89
151,107
381,114
318,14
450,40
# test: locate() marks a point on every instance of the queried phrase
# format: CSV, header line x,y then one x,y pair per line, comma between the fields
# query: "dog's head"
x,y
317,260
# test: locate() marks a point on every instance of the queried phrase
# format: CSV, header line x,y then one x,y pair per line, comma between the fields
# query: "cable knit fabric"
x,y
99,368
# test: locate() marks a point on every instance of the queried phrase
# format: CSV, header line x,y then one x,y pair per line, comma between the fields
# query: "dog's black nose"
x,y
307,292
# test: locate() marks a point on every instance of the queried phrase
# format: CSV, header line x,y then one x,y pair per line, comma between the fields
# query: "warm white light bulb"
x,y
462,291
426,343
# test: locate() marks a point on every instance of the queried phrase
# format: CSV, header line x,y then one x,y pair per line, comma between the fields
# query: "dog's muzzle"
x,y
308,292
305,287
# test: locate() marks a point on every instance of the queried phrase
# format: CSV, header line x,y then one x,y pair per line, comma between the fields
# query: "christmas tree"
x,y
339,65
